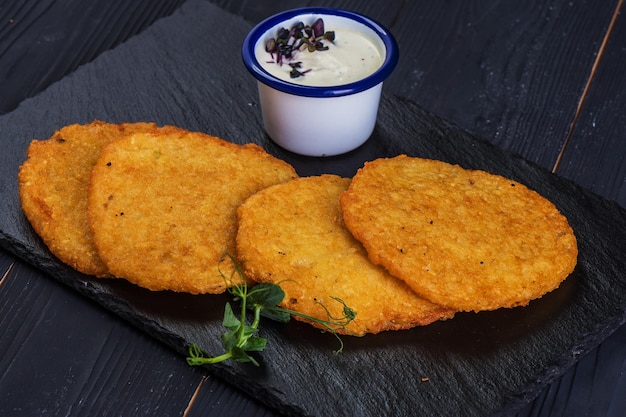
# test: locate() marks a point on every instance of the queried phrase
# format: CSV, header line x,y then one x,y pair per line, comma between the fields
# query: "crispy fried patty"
x,y
293,235
162,208
53,183
465,239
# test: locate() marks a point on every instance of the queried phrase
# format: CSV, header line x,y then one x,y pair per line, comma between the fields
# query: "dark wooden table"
x,y
544,79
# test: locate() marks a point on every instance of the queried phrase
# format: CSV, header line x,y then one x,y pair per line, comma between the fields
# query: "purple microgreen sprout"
x,y
288,42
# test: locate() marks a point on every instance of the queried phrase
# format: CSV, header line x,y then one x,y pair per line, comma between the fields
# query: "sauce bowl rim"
x,y
255,68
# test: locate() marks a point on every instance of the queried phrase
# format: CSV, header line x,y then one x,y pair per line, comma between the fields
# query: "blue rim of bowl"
x,y
253,65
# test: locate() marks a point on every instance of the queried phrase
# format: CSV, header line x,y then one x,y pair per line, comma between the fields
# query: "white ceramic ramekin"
x,y
326,120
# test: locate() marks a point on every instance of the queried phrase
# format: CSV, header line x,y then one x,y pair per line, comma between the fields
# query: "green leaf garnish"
x,y
230,320
262,300
265,295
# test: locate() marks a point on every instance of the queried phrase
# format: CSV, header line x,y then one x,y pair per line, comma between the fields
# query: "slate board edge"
x,y
72,279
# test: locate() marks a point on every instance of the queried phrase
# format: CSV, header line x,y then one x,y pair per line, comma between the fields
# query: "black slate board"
x,y
186,70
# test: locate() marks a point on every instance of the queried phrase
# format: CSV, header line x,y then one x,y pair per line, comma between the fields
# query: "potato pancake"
x,y
53,183
465,239
293,235
162,207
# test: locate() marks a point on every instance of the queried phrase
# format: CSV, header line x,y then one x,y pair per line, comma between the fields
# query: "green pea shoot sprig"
x,y
241,337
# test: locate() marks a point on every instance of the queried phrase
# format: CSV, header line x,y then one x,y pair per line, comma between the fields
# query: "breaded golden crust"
x,y
293,235
466,239
53,183
162,208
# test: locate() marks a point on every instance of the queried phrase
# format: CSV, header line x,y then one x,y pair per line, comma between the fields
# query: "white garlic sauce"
x,y
351,57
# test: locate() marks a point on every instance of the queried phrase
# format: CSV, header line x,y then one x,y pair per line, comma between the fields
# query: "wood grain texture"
x,y
98,357
500,59
593,387
217,399
595,157
256,11
47,50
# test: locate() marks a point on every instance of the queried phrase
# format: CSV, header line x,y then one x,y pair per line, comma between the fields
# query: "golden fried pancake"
x,y
53,184
162,207
293,235
465,239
